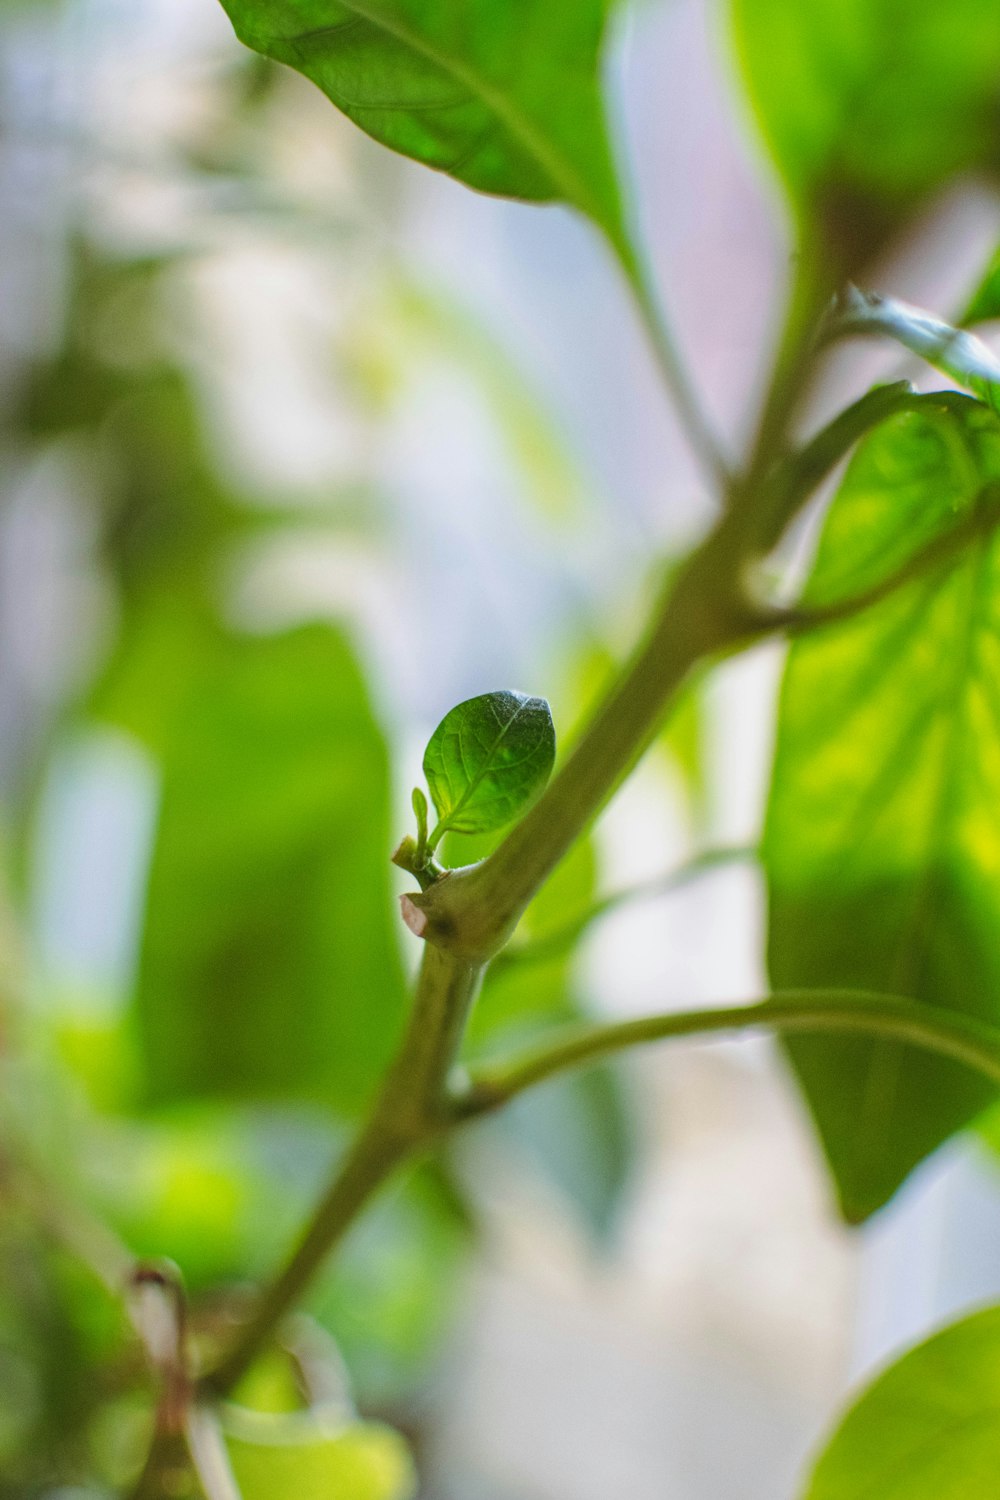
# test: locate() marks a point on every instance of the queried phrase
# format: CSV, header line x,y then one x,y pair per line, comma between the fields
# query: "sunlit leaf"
x,y
954,351
927,1429
504,97
487,759
882,843
302,1457
870,105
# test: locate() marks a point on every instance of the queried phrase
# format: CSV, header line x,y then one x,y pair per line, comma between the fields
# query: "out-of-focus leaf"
x,y
882,842
170,1469
268,964
506,99
984,305
64,1354
870,105
487,759
302,1457
955,352
929,1426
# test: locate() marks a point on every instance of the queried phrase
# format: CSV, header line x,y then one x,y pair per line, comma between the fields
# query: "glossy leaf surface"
x,y
870,105
928,1428
503,96
954,351
487,759
268,963
882,842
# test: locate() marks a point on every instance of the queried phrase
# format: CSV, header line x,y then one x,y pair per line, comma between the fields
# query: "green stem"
x,y
555,943
943,1032
706,613
703,441
467,916
408,1114
792,371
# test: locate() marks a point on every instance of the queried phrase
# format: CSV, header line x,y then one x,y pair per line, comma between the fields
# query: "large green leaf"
x,y
268,962
928,1428
882,842
869,105
502,94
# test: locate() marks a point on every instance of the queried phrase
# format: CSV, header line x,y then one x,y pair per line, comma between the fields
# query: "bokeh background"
x,y
300,445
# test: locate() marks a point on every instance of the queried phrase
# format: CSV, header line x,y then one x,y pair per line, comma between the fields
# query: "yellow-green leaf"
x,y
301,1457
882,842
927,1429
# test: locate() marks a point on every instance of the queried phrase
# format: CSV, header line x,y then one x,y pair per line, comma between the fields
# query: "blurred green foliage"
x,y
869,107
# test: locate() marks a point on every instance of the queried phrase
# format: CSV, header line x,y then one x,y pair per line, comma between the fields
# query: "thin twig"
x,y
688,405
933,1029
554,943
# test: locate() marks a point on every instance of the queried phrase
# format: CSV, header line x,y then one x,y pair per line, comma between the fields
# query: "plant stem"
x,y
554,943
707,612
408,1114
465,917
703,441
943,1032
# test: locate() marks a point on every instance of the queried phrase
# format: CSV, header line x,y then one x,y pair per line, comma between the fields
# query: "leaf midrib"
x,y
886,1057
448,821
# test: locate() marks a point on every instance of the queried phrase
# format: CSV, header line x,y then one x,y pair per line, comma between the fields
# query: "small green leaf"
x,y
928,1428
487,759
882,840
301,1457
504,97
957,353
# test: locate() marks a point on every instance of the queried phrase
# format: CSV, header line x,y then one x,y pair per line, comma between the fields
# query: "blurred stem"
x,y
687,403
555,943
790,376
408,1114
856,1013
